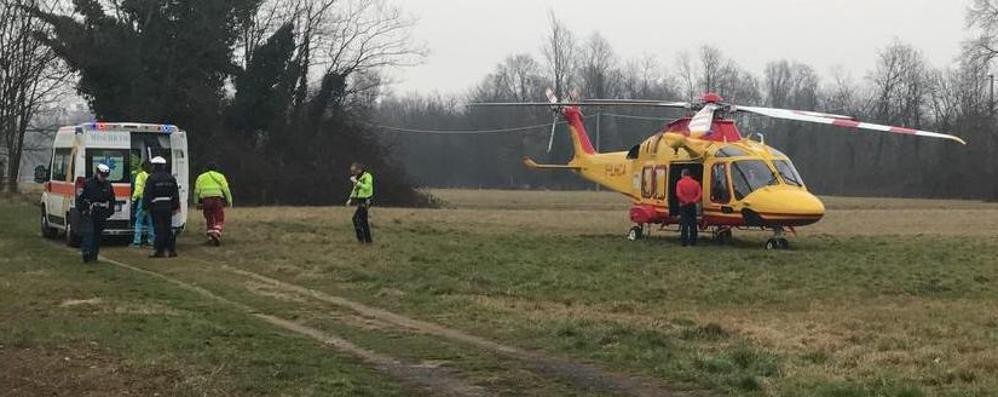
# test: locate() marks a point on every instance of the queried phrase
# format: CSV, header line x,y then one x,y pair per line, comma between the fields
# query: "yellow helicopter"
x,y
746,183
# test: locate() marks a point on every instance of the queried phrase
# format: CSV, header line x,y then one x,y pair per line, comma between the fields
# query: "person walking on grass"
x,y
361,196
143,222
213,195
95,204
162,198
689,193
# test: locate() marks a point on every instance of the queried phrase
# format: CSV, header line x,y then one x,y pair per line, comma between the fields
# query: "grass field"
x,y
513,293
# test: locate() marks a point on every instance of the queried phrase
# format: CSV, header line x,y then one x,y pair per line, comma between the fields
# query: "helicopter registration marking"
x,y
615,170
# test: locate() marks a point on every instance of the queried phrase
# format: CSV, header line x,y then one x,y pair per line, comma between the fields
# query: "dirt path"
x,y
436,380
585,377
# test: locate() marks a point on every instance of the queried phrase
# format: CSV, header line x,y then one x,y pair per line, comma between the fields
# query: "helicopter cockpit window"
x,y
729,151
748,176
788,172
633,153
776,153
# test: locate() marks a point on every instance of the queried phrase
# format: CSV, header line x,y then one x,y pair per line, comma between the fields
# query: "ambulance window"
x,y
116,159
60,164
719,192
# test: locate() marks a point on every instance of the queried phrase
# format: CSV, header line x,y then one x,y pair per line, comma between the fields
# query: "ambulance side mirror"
x,y
41,174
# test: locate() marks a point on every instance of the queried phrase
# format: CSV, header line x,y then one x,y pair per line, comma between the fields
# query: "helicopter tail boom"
x,y
577,130
530,163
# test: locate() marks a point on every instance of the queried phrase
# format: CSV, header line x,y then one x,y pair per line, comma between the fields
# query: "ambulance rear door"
x,y
181,171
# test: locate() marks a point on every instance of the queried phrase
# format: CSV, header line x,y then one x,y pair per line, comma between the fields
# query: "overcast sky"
x,y
468,37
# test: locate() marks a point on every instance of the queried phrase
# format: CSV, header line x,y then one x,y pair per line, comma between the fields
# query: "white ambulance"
x,y
122,146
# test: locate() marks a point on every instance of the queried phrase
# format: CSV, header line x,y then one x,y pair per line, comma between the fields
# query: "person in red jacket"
x,y
689,193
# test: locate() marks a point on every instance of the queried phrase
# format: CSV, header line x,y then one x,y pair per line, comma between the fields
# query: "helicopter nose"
x,y
782,206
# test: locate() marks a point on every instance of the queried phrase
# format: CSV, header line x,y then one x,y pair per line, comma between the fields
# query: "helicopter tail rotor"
x,y
553,99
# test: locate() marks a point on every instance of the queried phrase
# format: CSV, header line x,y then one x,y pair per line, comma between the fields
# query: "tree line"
x,y
901,88
278,92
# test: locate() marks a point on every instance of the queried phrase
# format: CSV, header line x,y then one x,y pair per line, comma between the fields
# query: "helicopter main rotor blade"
x,y
520,104
614,102
760,109
814,117
704,118
638,102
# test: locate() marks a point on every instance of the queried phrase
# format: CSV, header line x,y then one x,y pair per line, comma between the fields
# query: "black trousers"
x,y
688,224
360,221
162,222
92,230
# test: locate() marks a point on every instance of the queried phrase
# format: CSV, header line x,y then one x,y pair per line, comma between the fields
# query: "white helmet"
x,y
103,169
158,160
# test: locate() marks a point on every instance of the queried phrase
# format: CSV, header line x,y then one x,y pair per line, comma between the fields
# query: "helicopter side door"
x,y
675,172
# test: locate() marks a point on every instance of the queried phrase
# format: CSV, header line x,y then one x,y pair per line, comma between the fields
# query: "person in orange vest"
x,y
689,193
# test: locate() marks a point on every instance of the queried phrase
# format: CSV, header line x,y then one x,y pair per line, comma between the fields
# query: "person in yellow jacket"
x,y
213,195
361,196
143,221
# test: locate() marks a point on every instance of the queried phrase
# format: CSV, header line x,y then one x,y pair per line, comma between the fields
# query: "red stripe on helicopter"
x,y
902,130
574,117
845,123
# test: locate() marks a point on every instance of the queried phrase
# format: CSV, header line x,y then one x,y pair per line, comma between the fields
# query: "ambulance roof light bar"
x,y
136,127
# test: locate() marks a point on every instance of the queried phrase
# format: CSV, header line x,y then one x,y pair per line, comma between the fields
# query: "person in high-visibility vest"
x,y
213,195
361,196
143,221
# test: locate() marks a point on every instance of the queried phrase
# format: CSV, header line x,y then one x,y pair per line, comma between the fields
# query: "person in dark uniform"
x,y
162,199
689,192
361,196
95,204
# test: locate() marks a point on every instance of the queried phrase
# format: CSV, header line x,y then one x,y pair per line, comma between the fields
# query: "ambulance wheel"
x,y
72,239
635,233
47,230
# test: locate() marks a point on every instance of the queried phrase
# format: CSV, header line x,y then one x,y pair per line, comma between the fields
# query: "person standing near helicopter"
x,y
689,192
361,196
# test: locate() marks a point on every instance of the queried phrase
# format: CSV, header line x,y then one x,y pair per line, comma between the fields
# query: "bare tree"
x,y
30,78
711,65
687,75
561,52
900,83
517,78
269,16
353,39
598,69
982,17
